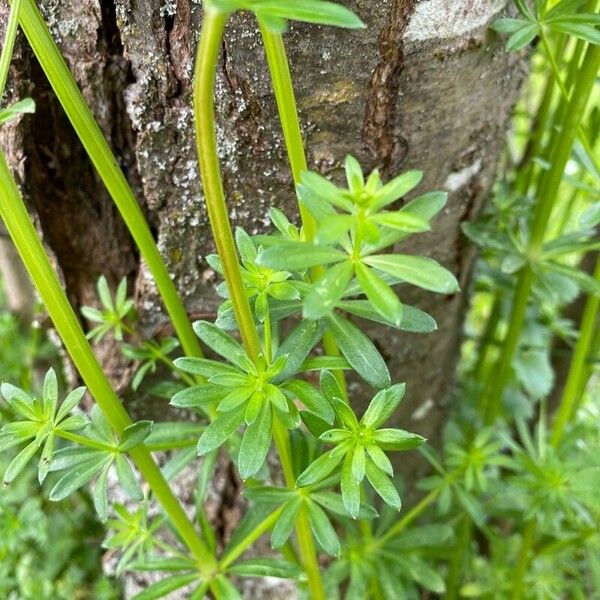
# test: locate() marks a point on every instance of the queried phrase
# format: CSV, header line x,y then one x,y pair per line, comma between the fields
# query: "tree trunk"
x,y
426,85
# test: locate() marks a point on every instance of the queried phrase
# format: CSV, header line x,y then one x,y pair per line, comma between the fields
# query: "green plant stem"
x,y
563,87
546,193
95,144
290,125
204,80
409,517
576,377
84,441
488,336
306,544
288,114
17,221
9,43
523,559
204,119
265,525
459,558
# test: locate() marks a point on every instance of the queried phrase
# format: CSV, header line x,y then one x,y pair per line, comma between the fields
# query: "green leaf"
x,y
50,391
70,402
346,414
134,435
100,494
25,106
580,30
358,463
165,586
327,290
330,386
382,485
266,567
219,431
397,188
314,424
379,457
380,295
320,468
19,462
298,256
318,363
198,396
311,398
507,25
323,529
245,245
580,278
397,439
65,458
334,503
167,434
421,271
285,523
309,11
268,494
16,433
127,478
46,458
20,401
104,293
324,190
236,398
423,574
332,228
350,488
78,476
402,220
383,405
205,367
223,344
255,443
523,36
413,319
297,345
360,352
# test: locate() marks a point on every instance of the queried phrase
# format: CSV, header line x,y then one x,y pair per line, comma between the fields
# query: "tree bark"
x,y
426,85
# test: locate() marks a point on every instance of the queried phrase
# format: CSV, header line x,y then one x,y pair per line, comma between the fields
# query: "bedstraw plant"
x,y
271,391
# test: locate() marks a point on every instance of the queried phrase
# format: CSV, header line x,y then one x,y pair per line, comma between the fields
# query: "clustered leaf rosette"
x,y
359,446
244,392
112,315
260,283
353,229
43,420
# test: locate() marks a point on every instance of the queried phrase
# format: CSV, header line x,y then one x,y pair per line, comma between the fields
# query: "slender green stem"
x,y
292,134
547,193
288,113
306,544
204,80
84,441
108,169
459,558
9,43
204,113
265,525
409,517
565,93
576,377
523,560
28,244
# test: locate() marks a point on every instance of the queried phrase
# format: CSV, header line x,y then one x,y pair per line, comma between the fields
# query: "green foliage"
x,y
510,506
565,17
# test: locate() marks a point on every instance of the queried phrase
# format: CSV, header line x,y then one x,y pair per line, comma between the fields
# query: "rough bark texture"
x,y
426,86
